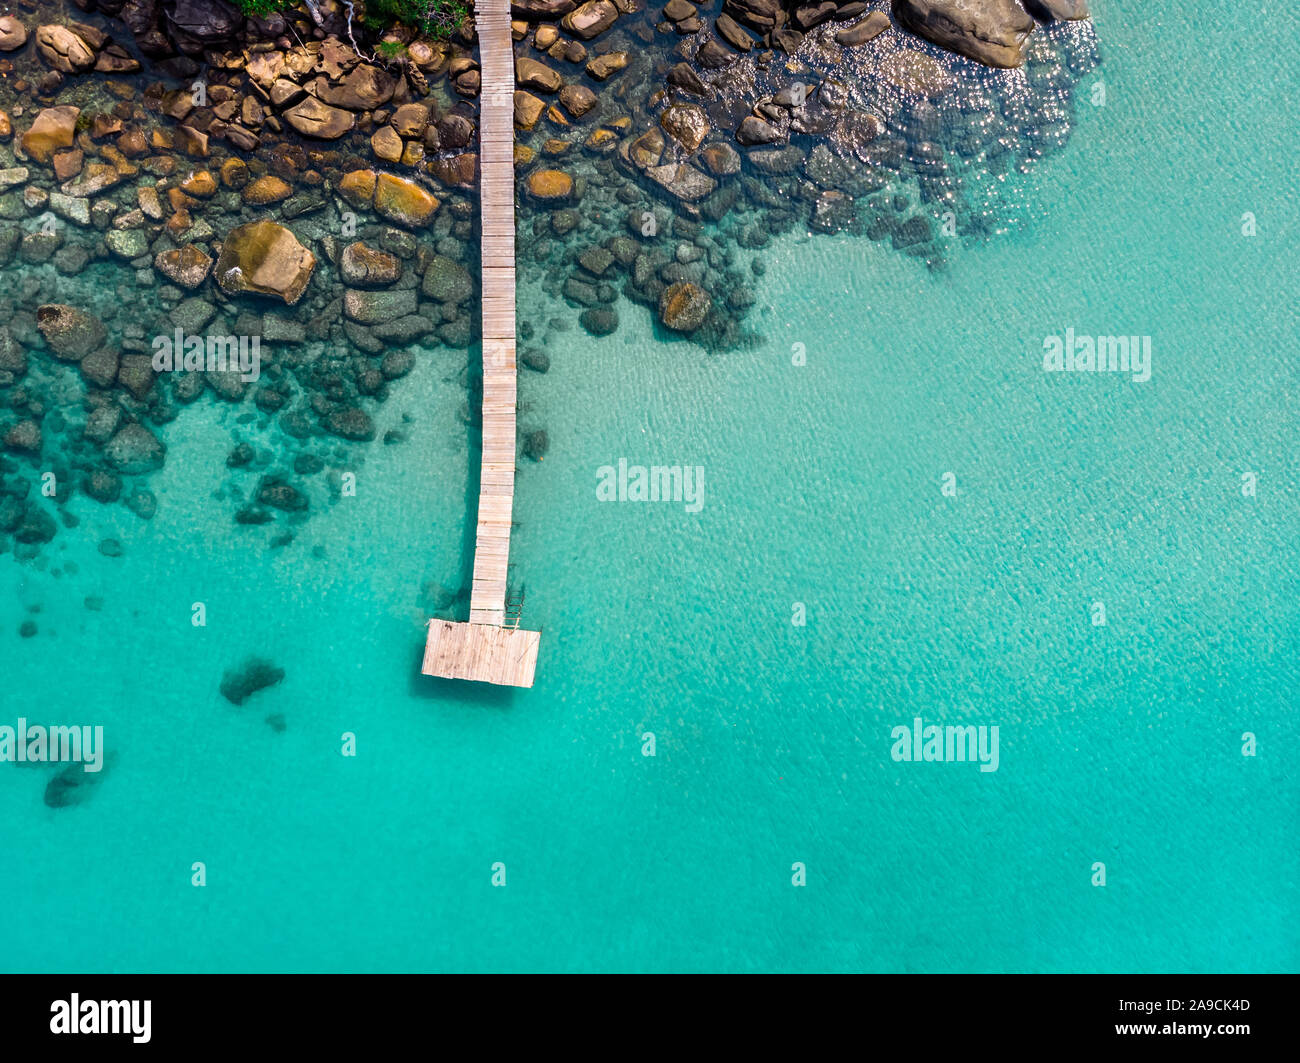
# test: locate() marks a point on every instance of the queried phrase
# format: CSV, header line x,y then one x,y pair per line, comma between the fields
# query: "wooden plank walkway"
x,y
497,207
483,649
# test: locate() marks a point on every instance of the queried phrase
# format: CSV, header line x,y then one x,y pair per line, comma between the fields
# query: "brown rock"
x,y
264,258
54,128
312,118
13,34
528,110
234,173
867,29
590,19
67,164
684,306
685,123
70,332
578,100
267,189
199,183
605,66
358,187
409,120
992,32
386,144
458,170
403,202
64,50
132,143
531,74
187,266
363,89
361,266
550,186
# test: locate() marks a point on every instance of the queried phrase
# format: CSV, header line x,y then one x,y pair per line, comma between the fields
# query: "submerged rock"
x,y
240,684
350,422
446,281
550,186
536,444
71,333
684,306
186,266
403,201
362,266
74,784
54,128
134,449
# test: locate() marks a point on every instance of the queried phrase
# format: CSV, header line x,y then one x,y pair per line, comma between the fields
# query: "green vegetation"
x,y
436,18
262,8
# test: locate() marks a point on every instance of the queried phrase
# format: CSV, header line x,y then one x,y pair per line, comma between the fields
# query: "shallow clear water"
x,y
1119,744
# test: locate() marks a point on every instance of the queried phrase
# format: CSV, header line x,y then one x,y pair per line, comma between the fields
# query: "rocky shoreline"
x,y
171,167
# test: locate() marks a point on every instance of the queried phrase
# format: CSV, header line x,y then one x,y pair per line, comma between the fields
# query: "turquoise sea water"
x,y
1119,744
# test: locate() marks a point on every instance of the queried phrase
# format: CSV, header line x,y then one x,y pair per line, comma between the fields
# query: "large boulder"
x,y
403,201
13,34
266,259
541,10
530,74
134,449
549,186
682,181
371,308
684,306
362,266
54,128
71,333
1052,10
686,123
312,118
992,32
64,50
591,19
196,24
363,89
446,280
762,15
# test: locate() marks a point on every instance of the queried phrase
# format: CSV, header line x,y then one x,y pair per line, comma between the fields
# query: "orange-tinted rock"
x,y
358,187
267,189
550,186
54,128
199,183
403,202
264,258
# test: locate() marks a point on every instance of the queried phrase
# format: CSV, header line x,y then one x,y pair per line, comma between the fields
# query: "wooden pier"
x,y
485,649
